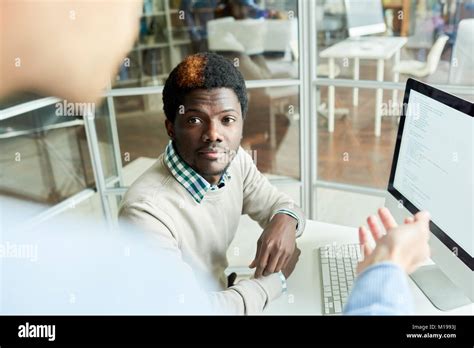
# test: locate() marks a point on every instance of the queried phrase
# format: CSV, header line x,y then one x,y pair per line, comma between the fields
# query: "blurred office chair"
x,y
280,35
423,69
228,34
462,64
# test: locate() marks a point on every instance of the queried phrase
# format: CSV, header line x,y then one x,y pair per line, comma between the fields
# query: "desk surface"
x,y
304,285
378,47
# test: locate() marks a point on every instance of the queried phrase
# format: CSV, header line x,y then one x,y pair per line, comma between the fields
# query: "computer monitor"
x,y
432,170
364,17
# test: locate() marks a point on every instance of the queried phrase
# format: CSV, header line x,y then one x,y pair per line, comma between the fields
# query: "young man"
x,y
194,195
384,269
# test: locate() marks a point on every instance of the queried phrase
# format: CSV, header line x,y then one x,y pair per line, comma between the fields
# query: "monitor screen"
x,y
364,17
434,170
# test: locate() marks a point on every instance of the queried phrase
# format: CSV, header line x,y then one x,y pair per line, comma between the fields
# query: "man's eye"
x,y
228,119
194,120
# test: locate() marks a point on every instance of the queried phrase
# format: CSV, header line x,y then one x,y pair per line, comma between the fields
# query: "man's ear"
x,y
169,128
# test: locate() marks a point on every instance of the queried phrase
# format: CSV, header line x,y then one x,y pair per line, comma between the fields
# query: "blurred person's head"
x,y
68,49
239,9
205,103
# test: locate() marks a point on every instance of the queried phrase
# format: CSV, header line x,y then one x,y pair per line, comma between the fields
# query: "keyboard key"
x,y
325,273
337,307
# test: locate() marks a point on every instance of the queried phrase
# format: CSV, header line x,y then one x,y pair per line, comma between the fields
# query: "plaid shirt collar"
x,y
194,183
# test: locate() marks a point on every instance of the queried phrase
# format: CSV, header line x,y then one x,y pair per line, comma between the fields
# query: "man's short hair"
x,y
202,71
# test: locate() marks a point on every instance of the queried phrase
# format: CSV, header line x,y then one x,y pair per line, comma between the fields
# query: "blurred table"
x,y
379,48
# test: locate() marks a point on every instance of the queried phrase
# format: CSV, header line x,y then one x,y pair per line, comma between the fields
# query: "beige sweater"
x,y
200,233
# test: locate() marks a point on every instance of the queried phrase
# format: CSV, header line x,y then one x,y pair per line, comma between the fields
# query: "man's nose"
x,y
212,133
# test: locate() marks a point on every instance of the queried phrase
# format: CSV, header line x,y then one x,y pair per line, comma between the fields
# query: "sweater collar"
x,y
191,180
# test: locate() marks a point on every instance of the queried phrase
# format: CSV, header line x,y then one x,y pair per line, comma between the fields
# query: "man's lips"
x,y
211,153
212,150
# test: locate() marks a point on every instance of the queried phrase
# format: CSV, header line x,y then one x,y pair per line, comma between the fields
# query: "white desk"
x,y
304,285
378,48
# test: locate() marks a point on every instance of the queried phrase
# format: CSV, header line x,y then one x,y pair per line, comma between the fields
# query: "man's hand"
x,y
290,266
405,245
276,246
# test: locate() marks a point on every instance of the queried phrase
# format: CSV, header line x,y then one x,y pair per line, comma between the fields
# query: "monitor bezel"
x,y
453,102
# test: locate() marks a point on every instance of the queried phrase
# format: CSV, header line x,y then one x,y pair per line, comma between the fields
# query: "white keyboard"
x,y
338,270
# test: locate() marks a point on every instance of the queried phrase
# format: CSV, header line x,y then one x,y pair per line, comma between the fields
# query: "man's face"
x,y
208,130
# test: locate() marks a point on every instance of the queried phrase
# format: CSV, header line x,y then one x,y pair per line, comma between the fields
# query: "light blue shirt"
x,y
381,289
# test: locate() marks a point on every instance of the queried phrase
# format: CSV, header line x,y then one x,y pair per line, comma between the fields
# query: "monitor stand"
x,y
357,38
439,289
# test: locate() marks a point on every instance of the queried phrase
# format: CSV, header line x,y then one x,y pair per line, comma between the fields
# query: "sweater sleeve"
x,y
246,297
262,200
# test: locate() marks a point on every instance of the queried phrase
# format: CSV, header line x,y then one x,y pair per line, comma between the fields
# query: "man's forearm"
x,y
249,296
382,289
284,218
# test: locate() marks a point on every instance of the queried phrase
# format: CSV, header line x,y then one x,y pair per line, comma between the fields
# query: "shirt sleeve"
x,y
381,289
249,296
262,200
